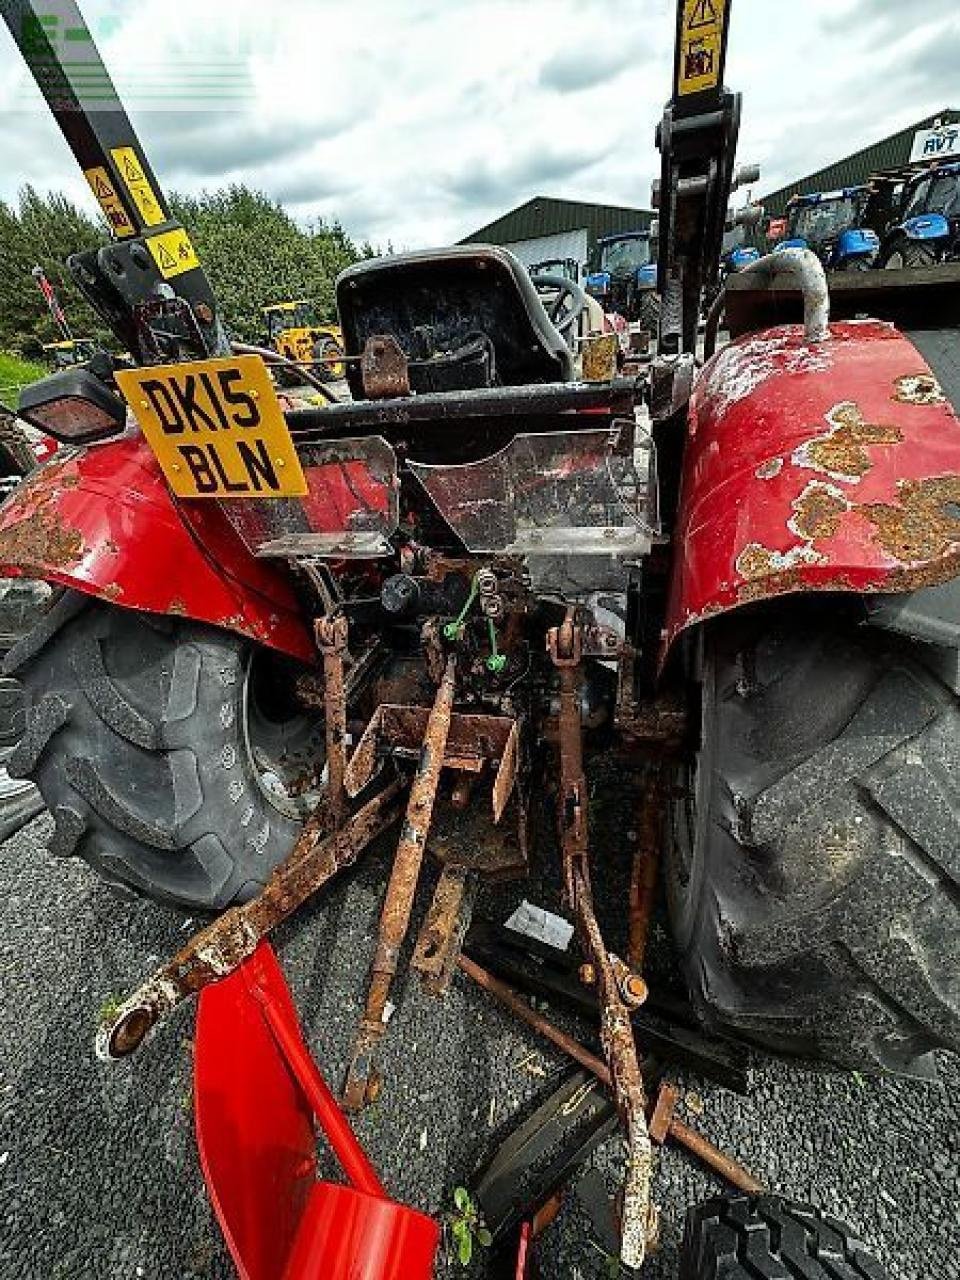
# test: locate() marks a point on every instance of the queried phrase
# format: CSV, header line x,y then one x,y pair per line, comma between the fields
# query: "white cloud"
x,y
419,120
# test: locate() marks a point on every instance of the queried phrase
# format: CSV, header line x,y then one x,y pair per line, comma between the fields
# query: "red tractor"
x,y
478,570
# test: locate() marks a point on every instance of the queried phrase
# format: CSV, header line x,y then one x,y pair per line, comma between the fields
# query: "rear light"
x,y
74,406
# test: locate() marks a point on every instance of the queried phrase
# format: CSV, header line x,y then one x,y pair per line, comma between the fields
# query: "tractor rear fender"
x,y
830,466
102,521
925,226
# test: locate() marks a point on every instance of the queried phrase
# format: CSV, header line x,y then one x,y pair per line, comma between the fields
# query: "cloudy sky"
x,y
417,121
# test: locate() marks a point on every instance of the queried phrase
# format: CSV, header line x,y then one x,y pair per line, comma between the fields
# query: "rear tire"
x,y
740,1237
814,878
162,752
648,314
908,254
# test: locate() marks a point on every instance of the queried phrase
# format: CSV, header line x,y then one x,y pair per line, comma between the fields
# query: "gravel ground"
x,y
98,1173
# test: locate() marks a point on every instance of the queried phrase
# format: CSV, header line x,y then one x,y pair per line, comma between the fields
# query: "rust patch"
x,y
925,525
401,890
842,451
817,511
757,562
924,575
40,542
112,591
770,469
918,388
177,606
774,584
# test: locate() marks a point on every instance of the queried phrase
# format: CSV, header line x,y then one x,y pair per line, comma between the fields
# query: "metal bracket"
x,y
384,369
397,730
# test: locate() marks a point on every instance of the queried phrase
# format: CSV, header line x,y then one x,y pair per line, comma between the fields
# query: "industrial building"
x,y
888,153
545,228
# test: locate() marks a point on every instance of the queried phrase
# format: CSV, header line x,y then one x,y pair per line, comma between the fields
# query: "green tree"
x,y
254,254
252,250
43,231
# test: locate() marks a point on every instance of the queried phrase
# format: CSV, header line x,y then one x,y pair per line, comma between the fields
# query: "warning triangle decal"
x,y
131,170
102,189
166,258
704,15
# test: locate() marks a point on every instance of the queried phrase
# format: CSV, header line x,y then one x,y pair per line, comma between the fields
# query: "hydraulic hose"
x,y
274,357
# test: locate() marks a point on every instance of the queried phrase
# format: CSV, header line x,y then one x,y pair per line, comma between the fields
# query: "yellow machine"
x,y
70,351
294,331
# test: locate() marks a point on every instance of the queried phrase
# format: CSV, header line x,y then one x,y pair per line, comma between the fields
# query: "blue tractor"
x,y
735,259
624,278
926,229
835,225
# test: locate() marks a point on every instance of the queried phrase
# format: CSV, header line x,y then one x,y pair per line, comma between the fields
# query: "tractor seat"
x,y
464,317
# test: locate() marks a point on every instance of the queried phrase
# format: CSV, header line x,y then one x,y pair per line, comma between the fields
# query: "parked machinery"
x,y
925,225
295,332
624,278
836,225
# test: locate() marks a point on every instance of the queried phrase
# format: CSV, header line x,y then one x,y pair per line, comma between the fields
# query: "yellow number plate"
x,y
216,427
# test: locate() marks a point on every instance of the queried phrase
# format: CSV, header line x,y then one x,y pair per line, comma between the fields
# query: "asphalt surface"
x,y
98,1171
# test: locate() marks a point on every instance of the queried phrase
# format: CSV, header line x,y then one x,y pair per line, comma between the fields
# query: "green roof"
x,y
856,168
546,216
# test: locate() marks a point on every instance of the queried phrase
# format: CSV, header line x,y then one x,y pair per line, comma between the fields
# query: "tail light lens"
x,y
74,406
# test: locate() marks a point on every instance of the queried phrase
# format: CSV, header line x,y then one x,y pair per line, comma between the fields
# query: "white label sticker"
x,y
541,925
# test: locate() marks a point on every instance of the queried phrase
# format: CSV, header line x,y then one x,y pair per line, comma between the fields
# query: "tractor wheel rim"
x,y
284,745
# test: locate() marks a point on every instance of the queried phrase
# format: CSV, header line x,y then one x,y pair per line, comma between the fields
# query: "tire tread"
x,y
769,1238
826,919
134,738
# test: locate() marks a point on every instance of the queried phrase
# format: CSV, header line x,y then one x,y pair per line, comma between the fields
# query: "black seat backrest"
x,y
447,298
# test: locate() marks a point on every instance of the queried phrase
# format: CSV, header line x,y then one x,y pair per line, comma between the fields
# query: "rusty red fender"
x,y
103,521
832,466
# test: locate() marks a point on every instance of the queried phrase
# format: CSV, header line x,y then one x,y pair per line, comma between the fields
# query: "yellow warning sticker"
x,y
701,39
130,168
109,201
173,252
